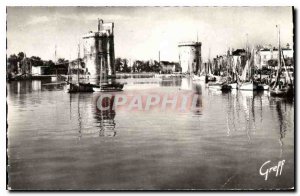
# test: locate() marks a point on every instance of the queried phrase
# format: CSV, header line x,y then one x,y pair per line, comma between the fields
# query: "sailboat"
x,y
222,84
106,87
78,86
278,88
231,68
206,74
247,80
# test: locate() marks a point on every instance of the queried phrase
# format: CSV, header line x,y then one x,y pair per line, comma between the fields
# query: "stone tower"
x,y
99,52
190,56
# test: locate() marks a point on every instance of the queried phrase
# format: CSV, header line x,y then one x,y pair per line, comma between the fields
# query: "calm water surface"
x,y
58,140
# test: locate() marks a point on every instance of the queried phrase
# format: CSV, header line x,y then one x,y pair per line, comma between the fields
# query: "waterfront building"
x,y
268,53
190,56
99,52
39,70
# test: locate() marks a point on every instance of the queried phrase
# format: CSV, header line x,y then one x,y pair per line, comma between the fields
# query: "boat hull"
x,y
233,85
198,78
248,86
109,88
283,92
80,87
263,87
221,87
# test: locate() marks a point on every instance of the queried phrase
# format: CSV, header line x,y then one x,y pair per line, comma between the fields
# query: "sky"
x,y
141,32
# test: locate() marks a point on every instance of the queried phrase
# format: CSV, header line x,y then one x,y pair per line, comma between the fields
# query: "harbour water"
x,y
58,140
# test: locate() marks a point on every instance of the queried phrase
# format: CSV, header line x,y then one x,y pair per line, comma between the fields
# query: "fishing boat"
x,y
108,87
263,87
282,91
249,86
199,78
224,83
219,86
233,85
279,88
232,78
80,87
206,74
247,80
76,87
105,86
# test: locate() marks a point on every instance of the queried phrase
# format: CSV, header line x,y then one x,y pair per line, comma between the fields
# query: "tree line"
x,y
122,65
16,61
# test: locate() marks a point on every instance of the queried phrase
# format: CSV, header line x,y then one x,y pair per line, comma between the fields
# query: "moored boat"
x,y
199,78
80,87
279,88
109,87
233,85
249,86
219,86
282,91
263,87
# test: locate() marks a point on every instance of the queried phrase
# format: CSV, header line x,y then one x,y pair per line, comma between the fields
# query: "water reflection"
x,y
106,118
23,87
53,86
246,110
79,117
186,83
103,124
45,120
282,114
241,112
198,91
30,86
173,81
19,91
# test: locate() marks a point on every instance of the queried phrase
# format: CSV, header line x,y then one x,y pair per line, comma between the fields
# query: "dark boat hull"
x,y
87,87
221,87
283,92
80,87
109,87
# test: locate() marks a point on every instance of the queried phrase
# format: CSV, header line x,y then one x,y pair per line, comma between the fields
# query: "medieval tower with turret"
x,y
99,52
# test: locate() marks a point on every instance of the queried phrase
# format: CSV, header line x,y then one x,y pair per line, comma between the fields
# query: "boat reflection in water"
x,y
98,123
105,118
283,113
187,85
229,135
245,111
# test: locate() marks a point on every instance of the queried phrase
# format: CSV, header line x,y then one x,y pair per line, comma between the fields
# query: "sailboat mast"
x,y
279,49
286,70
279,60
247,47
78,63
209,61
55,60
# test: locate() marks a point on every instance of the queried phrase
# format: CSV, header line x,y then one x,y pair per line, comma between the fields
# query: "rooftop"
x,y
189,43
273,49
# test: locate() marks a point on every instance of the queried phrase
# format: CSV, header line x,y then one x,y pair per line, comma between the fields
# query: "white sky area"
x,y
141,32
